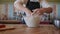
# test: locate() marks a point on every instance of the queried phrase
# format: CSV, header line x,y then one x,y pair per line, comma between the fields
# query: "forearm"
x,y
45,10
20,7
48,10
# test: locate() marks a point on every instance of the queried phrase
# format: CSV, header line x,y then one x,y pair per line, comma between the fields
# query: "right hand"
x,y
36,11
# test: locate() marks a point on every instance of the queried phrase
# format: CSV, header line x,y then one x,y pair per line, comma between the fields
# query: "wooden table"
x,y
23,29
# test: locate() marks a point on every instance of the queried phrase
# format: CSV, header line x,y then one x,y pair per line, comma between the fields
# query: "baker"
x,y
33,6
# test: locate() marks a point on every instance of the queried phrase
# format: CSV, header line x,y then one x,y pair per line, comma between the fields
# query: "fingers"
x,y
38,11
34,11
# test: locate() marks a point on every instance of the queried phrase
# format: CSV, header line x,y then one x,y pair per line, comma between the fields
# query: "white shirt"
x,y
44,4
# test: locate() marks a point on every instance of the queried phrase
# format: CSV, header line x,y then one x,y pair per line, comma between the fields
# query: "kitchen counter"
x,y
23,29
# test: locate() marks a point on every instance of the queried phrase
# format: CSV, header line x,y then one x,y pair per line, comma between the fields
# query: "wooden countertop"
x,y
23,29
9,21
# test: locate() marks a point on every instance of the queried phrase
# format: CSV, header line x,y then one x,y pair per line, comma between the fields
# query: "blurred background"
x,y
8,14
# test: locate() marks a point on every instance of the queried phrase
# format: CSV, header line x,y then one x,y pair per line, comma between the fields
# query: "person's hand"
x,y
39,11
35,11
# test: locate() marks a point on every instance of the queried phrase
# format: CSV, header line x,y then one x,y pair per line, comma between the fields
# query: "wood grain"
x,y
23,29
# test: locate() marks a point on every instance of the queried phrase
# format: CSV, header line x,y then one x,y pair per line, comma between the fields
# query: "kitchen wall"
x,y
8,10
2,10
58,10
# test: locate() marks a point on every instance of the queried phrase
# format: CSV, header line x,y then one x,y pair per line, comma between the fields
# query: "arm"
x,y
46,8
18,4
